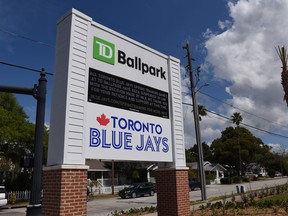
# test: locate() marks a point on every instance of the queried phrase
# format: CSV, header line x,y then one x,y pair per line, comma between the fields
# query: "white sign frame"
x,y
73,116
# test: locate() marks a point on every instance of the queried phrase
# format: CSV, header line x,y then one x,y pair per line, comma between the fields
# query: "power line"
x,y
25,68
250,126
247,125
25,38
217,99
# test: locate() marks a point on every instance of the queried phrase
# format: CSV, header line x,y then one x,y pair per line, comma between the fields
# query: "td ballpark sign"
x,y
113,98
105,51
130,117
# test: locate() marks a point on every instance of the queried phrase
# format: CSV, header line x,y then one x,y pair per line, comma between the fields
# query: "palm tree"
x,y
236,118
201,111
282,53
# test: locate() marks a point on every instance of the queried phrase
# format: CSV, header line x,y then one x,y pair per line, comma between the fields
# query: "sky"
x,y
233,41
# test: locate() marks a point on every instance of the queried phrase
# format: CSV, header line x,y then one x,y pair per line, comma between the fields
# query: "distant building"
x,y
216,169
256,169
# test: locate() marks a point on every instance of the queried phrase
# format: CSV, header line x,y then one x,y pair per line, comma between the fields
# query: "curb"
x,y
13,206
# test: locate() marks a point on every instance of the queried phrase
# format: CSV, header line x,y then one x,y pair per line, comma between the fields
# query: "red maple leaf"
x,y
103,120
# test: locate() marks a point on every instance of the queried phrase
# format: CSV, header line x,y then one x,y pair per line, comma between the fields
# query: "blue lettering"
x,y
114,121
130,125
145,127
137,126
157,142
114,144
94,137
165,145
149,144
124,121
104,143
158,129
127,141
152,126
141,146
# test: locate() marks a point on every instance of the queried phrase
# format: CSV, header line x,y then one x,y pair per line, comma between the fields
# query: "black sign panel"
x,y
110,90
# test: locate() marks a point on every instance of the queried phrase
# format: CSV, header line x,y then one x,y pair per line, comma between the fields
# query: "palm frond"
x,y
282,53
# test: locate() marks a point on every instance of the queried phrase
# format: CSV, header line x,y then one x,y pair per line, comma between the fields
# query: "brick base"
x,y
172,193
64,192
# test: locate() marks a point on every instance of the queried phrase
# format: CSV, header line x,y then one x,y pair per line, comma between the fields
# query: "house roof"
x,y
95,165
207,166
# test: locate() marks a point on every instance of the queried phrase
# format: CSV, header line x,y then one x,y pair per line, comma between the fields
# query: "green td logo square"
x,y
103,50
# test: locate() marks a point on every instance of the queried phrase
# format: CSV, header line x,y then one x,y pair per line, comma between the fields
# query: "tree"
x,y
192,153
16,132
202,111
131,170
236,118
225,150
282,53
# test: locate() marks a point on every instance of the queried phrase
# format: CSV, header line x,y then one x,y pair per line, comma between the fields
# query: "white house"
x,y
216,169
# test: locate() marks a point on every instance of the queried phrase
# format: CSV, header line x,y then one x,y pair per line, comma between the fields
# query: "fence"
x,y
20,195
108,190
25,195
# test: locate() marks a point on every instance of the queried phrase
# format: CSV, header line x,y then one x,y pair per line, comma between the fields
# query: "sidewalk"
x,y
20,205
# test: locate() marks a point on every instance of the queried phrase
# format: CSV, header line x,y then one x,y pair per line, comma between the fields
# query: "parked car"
x,y
193,183
137,189
3,196
251,174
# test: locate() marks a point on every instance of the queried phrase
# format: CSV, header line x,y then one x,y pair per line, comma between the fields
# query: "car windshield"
x,y
132,186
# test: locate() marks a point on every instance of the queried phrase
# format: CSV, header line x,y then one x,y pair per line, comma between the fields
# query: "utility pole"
x,y
113,179
197,126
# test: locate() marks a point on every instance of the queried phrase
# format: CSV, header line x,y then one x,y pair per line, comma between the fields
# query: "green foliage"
x,y
13,198
134,211
267,201
134,171
225,180
21,182
236,118
210,176
237,140
192,174
192,153
16,135
236,180
271,173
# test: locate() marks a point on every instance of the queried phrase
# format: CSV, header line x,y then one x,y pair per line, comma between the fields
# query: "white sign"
x,y
114,99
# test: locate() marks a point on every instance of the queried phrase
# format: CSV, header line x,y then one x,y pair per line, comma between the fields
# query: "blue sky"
x,y
233,41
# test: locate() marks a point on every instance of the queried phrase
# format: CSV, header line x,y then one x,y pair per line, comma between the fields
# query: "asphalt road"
x,y
106,206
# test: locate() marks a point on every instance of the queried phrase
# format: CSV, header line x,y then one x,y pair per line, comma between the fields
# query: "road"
x,y
104,207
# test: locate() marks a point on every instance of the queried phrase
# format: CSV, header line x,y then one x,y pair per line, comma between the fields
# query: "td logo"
x,y
103,50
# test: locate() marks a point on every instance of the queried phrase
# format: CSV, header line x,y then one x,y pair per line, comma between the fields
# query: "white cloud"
x,y
224,24
278,148
208,34
244,55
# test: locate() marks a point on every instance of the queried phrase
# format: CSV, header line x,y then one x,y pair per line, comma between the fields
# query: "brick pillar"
x,y
172,192
64,190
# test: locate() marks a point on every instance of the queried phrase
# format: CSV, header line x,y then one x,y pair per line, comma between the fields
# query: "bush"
x,y
246,179
236,179
225,180
271,173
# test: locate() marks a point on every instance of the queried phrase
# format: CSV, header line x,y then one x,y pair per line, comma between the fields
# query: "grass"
x,y
263,202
